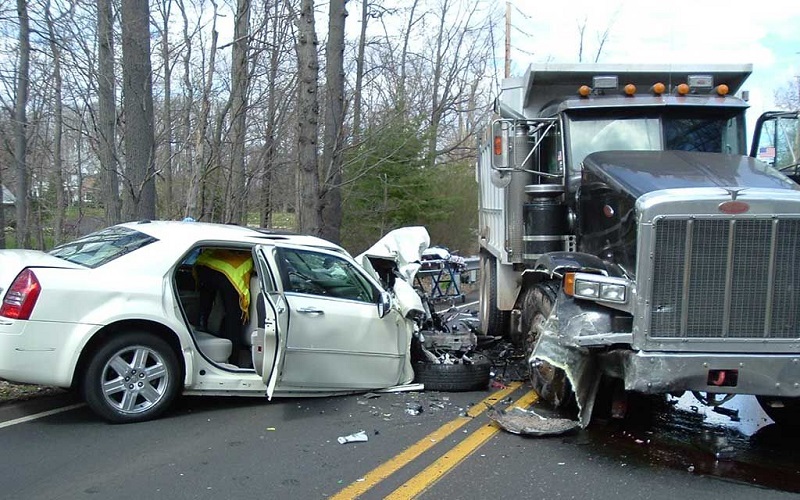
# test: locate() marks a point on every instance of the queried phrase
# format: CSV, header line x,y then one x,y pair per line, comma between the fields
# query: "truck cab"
x,y
626,236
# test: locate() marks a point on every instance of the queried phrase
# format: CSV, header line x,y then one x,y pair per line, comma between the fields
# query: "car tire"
x,y
493,320
550,383
783,411
133,377
454,378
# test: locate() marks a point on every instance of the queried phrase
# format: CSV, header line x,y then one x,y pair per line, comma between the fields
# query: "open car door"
x,y
269,339
776,141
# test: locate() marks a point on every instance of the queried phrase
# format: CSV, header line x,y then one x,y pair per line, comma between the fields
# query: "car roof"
x,y
189,233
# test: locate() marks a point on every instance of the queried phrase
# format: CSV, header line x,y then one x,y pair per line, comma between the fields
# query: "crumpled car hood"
x,y
403,247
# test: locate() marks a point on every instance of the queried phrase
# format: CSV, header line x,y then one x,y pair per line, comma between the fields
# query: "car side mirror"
x,y
384,304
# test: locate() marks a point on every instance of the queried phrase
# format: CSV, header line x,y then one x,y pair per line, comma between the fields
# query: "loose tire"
x,y
133,377
454,378
550,383
786,412
493,320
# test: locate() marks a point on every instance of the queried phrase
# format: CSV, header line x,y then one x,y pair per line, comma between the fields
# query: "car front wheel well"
x,y
109,331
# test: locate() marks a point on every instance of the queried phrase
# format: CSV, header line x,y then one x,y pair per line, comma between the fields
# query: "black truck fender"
x,y
554,265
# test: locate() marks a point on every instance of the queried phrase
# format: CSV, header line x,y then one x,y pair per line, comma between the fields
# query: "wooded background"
x,y
343,119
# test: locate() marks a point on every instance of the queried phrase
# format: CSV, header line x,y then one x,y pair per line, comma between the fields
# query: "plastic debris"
x,y
358,437
529,423
414,409
404,388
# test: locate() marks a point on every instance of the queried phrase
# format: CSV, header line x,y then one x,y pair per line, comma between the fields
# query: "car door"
x,y
338,337
269,340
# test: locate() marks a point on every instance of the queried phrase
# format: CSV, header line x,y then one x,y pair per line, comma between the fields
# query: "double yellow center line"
x,y
447,462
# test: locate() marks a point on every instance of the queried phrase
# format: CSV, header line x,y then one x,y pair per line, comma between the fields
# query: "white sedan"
x,y
115,315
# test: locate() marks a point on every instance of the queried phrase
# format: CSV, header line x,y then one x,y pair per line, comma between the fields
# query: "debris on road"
x,y
529,423
358,437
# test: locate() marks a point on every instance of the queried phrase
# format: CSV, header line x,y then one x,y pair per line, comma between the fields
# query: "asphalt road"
x,y
217,448
249,448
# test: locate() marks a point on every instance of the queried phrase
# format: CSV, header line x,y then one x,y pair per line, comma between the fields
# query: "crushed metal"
x,y
529,423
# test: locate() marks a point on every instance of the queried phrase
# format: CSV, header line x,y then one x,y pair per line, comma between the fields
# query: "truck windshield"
x,y
713,133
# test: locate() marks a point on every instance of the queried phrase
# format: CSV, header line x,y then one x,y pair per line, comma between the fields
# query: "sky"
x,y
765,33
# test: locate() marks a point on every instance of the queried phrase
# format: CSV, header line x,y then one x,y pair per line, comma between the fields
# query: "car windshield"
x,y
719,132
101,247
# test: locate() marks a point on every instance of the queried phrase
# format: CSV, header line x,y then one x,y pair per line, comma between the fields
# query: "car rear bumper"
x,y
44,353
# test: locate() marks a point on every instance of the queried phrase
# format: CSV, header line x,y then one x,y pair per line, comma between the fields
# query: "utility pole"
x,y
508,39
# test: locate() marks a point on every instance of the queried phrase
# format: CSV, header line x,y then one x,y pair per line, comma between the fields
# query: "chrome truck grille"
x,y
725,278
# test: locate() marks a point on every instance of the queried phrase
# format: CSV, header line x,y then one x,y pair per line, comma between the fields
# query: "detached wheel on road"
x,y
493,320
133,377
454,378
784,411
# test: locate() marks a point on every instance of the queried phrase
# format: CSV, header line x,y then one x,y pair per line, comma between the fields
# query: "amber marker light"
x,y
658,88
683,89
722,89
498,145
584,91
630,89
569,284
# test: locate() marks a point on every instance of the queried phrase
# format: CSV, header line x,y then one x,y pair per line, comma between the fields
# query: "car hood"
x,y
14,261
403,249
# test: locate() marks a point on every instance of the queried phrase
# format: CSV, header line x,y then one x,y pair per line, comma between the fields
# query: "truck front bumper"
x,y
659,372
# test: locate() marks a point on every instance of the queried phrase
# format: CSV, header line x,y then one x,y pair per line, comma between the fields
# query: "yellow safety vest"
x,y
237,267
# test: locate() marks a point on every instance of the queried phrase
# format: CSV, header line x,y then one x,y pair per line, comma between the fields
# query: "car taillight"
x,y
21,296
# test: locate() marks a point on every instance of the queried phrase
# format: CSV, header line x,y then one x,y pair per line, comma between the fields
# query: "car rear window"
x,y
101,247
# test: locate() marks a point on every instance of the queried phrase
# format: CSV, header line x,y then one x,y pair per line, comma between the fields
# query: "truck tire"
x,y
493,320
550,383
783,411
454,378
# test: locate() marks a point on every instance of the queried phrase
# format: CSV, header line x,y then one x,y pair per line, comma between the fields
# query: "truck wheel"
x,y
550,383
493,320
784,411
454,378
134,377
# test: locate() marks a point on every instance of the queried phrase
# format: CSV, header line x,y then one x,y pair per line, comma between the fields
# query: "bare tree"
x,y
107,111
240,81
165,8
58,161
137,93
308,202
362,44
331,200
21,124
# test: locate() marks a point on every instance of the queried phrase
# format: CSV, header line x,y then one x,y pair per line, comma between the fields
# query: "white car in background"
x,y
114,315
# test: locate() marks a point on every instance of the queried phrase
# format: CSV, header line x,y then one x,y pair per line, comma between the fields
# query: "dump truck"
x,y
631,244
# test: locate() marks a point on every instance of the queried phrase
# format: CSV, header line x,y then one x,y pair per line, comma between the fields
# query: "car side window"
x,y
314,273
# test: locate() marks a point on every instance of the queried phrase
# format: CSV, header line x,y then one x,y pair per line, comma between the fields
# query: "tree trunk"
x,y
57,176
331,203
21,124
240,81
362,42
137,93
195,206
166,148
268,156
308,203
107,112
190,209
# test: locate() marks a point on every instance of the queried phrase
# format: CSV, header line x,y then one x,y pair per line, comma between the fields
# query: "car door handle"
x,y
311,310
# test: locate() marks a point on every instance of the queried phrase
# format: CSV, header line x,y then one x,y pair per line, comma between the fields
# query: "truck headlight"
x,y
596,287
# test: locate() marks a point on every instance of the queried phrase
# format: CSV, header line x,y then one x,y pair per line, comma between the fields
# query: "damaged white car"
x,y
122,316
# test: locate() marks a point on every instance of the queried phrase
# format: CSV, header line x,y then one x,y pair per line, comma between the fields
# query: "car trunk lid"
x,y
14,261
